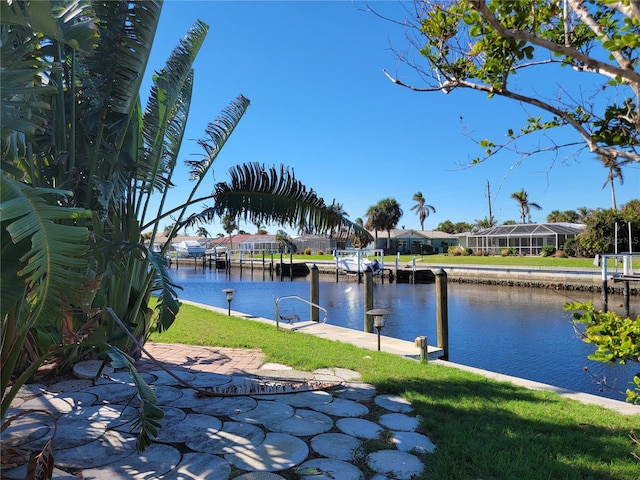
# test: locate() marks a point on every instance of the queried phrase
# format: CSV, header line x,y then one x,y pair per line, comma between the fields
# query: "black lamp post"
x,y
229,292
378,320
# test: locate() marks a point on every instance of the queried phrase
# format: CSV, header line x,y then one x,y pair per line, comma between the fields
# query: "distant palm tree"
x,y
522,197
583,214
338,209
229,225
615,171
202,232
374,220
421,208
391,214
568,216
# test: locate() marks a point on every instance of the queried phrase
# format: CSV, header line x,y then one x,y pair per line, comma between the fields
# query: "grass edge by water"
x,y
483,428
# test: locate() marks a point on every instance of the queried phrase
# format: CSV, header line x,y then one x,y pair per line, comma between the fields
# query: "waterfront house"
x,y
526,238
322,243
416,242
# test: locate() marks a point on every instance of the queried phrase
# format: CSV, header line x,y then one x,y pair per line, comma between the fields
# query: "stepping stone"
x,y
155,461
70,385
356,391
200,466
328,469
193,428
19,473
190,399
399,421
27,428
309,399
359,428
172,416
394,403
232,437
164,378
125,377
259,476
115,393
90,368
277,452
302,423
412,442
60,403
341,407
395,464
226,406
166,395
112,447
265,412
208,379
71,433
336,445
111,415
343,373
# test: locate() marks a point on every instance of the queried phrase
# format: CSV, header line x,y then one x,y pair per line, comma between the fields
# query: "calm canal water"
x,y
523,332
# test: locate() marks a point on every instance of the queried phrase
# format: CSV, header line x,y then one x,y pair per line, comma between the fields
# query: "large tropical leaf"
x,y
55,264
68,22
164,287
218,132
260,195
167,112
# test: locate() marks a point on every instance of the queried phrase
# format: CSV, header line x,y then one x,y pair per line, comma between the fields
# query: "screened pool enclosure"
x,y
526,238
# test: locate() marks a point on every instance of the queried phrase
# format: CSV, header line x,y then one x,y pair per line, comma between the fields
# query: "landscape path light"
x,y
378,320
229,292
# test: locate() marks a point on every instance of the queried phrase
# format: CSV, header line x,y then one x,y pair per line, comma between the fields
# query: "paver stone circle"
x,y
398,465
334,469
338,446
278,451
201,466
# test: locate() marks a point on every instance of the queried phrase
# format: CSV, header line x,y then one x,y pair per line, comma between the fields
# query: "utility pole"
x,y
489,201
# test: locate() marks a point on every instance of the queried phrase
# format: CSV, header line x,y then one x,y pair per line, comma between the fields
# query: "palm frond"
x,y
260,195
218,132
127,30
55,263
149,414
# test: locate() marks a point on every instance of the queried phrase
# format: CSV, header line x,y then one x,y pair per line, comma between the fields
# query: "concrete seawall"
x,y
587,279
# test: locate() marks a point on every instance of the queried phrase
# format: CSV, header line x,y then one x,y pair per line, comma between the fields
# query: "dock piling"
x,y
442,312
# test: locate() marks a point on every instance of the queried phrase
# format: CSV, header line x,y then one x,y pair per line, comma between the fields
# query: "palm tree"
x,y
391,214
615,171
338,209
229,225
374,220
522,197
202,232
421,208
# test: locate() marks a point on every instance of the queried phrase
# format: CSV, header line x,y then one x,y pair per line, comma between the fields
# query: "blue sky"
x,y
321,104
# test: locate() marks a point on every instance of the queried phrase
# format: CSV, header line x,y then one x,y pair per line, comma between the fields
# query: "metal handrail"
x,y
296,297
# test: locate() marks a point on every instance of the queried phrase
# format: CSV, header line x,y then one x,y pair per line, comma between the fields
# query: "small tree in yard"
x,y
491,47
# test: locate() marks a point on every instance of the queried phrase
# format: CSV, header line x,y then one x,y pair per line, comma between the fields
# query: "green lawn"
x,y
442,259
483,429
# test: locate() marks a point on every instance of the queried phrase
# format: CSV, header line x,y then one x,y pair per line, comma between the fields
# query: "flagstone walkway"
x,y
344,432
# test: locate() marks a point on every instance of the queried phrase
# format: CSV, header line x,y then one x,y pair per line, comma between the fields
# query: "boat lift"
x,y
626,275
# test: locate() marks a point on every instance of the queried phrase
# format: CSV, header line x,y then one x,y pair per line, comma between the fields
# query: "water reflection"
x,y
516,331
